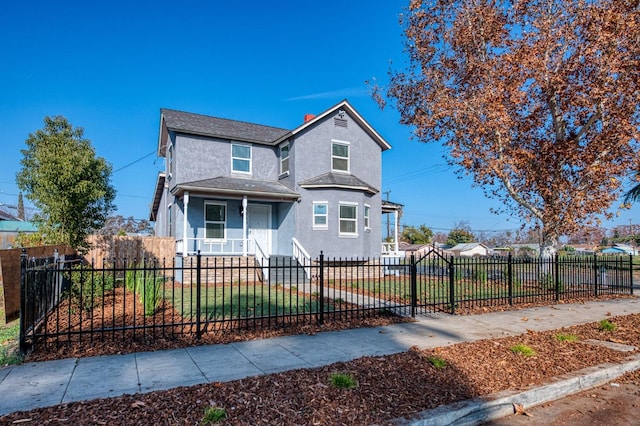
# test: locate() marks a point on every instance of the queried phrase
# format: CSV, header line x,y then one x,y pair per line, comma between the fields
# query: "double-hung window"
x,y
170,161
240,158
367,217
348,218
215,221
339,156
284,158
320,215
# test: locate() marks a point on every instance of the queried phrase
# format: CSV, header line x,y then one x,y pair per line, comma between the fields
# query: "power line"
x,y
135,161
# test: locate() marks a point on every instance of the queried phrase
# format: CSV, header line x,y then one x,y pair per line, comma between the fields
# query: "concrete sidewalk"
x,y
42,384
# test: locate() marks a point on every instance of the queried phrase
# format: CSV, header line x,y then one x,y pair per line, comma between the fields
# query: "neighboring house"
x,y
10,229
469,250
520,250
620,249
236,188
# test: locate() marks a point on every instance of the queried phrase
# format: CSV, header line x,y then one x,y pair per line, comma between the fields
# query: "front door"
x,y
259,226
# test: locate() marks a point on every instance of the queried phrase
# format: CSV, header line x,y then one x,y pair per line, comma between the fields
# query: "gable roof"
x,y
204,125
6,216
241,131
346,106
467,246
338,180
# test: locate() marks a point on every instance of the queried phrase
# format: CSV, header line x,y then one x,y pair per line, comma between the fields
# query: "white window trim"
x,y
348,234
285,172
367,218
250,159
348,145
224,224
313,216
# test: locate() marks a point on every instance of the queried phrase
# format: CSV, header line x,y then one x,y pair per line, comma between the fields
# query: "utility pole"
x,y
388,228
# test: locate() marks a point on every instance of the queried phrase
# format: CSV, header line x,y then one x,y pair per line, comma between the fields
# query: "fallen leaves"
x,y
519,410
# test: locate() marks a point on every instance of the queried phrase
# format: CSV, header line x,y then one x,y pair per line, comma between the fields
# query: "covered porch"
x,y
390,247
233,217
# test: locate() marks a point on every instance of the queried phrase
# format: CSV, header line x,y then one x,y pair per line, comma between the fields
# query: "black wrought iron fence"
x,y
67,302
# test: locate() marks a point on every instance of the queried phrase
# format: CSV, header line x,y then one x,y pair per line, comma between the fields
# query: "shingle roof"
x,y
338,180
220,127
6,216
239,186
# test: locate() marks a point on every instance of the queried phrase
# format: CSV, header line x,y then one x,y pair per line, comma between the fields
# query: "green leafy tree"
x,y
460,234
20,208
119,225
634,193
420,235
65,180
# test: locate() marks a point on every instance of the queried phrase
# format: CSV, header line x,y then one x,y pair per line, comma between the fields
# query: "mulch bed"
x,y
388,387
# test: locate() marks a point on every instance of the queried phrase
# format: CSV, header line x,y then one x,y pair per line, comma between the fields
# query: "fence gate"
x,y
433,278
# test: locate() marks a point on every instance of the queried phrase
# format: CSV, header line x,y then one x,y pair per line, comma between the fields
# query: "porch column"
x,y
245,241
395,231
185,201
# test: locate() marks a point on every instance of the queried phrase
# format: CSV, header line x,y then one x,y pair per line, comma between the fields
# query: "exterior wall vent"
x,y
340,122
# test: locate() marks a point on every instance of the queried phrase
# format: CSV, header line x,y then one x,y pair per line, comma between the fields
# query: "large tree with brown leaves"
x,y
536,100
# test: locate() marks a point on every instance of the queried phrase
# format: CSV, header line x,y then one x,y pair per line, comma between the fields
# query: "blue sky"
x,y
110,66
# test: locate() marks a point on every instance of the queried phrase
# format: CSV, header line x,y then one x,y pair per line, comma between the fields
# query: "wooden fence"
x,y
10,274
106,247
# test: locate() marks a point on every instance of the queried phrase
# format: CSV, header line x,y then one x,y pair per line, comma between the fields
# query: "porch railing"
x,y
229,246
389,249
262,259
303,258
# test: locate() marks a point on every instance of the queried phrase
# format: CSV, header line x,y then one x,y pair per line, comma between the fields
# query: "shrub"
x,y
343,381
213,415
437,362
523,350
561,337
147,285
87,287
606,325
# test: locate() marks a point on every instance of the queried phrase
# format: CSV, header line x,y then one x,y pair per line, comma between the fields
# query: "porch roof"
x,y
338,180
238,187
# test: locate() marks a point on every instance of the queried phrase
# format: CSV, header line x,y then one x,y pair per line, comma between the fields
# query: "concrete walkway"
x,y
42,384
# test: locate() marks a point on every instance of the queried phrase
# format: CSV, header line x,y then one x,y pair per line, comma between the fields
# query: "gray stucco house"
x,y
236,188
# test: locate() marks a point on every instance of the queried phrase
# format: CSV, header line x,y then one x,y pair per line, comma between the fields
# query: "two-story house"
x,y
237,188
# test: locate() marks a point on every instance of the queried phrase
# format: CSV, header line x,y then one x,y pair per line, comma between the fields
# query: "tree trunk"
x,y
548,246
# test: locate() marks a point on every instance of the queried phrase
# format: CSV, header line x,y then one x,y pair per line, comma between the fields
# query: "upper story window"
x,y
348,219
170,161
340,156
320,215
284,158
240,158
215,220
367,217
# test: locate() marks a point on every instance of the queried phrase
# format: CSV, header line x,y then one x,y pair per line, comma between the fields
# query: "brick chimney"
x,y
308,117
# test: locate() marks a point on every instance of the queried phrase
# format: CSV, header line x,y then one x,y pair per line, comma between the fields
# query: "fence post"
x,y
557,276
595,275
452,296
631,273
198,294
510,277
414,285
23,301
321,301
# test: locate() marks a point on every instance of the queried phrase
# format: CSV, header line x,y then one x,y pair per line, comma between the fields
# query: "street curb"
x,y
498,405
